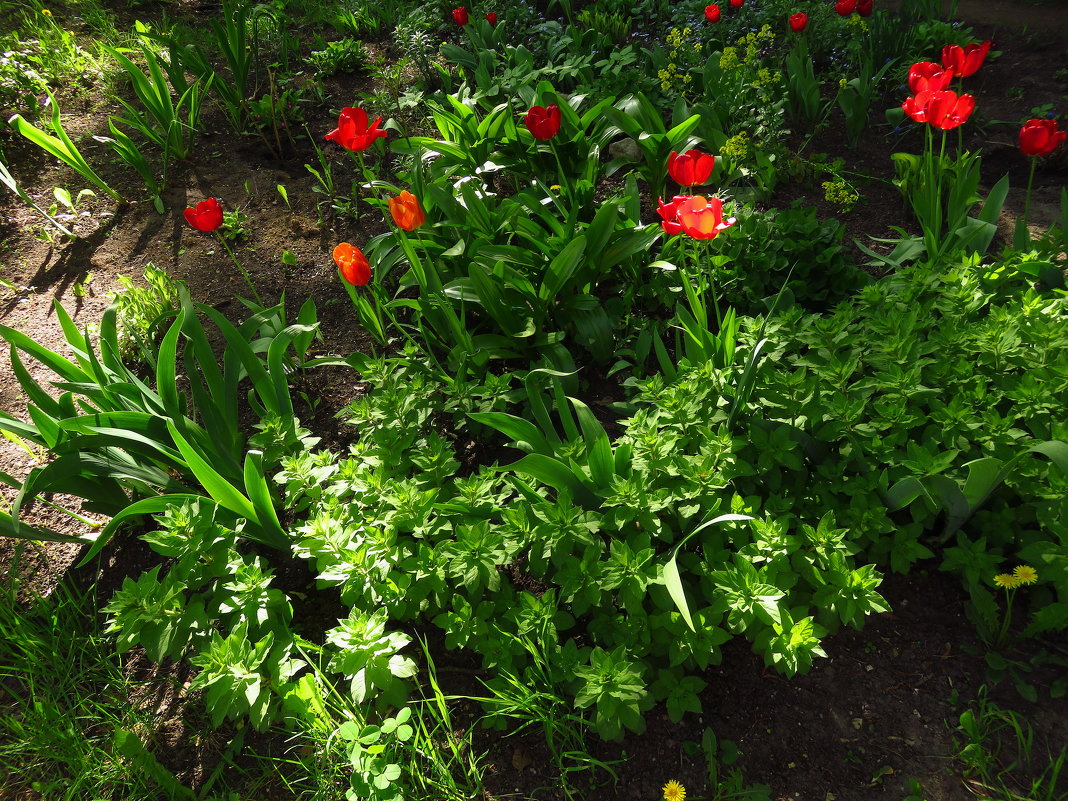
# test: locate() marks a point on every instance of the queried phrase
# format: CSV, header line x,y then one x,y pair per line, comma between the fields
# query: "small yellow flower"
x,y
1007,581
1025,574
673,791
46,12
555,188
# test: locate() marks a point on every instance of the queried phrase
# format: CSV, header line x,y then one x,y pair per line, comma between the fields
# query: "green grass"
x,y
70,727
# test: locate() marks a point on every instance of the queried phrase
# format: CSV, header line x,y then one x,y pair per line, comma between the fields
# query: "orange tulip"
x,y
702,218
354,267
406,211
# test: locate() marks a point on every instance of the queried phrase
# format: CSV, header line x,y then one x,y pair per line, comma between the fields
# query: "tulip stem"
x,y
565,182
363,174
702,286
1030,181
244,272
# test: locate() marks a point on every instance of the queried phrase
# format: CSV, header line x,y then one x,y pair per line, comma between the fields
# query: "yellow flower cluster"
x,y
729,60
669,75
1022,574
678,42
677,37
755,42
737,147
766,77
857,21
840,193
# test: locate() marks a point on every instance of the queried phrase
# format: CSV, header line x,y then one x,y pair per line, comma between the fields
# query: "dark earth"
x,y
878,711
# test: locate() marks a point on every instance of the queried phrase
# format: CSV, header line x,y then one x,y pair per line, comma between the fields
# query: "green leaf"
x,y
672,579
562,268
525,434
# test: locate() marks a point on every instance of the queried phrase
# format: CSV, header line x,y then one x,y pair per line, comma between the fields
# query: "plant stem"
x,y
1030,181
565,182
248,278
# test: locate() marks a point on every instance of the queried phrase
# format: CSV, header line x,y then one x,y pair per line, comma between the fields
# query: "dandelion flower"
x,y
1006,580
1025,574
46,12
673,791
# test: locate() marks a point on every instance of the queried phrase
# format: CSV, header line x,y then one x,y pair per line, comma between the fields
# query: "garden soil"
x,y
878,711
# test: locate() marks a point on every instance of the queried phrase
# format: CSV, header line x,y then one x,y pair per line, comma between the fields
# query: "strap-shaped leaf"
x,y
147,506
260,495
672,579
523,433
554,473
221,491
559,272
598,446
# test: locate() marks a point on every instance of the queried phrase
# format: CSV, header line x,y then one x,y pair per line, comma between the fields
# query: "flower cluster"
x,y
737,147
845,8
683,57
841,194
729,60
933,102
1021,575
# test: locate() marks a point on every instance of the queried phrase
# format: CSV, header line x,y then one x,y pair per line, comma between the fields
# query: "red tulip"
x,y
702,218
406,211
926,76
964,61
798,22
354,267
865,7
737,3
845,7
712,13
669,214
944,110
690,168
206,217
543,121
491,18
460,15
352,131
1040,137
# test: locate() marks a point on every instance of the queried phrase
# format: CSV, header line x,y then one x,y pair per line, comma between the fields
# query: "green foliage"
x,y
749,269
372,747
128,448
69,708
169,123
342,55
997,749
141,310
61,147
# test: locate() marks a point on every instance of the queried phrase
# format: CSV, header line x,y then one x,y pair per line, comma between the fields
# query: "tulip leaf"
x,y
562,268
671,578
523,433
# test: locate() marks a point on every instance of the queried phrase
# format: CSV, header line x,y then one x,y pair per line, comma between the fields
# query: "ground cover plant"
x,y
536,371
